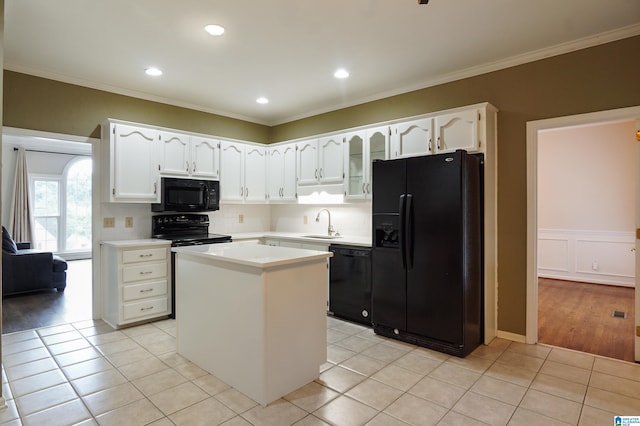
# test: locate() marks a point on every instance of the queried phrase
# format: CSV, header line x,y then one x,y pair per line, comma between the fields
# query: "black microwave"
x,y
188,195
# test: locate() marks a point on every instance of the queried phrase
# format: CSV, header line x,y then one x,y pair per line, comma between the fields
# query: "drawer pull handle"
x,y
146,255
146,290
146,309
146,272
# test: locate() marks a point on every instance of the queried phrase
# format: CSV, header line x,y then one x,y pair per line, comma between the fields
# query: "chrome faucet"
x,y
330,230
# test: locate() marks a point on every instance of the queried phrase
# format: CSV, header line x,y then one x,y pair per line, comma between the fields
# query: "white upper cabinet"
x,y
320,161
412,138
205,157
231,171
307,160
174,153
137,155
361,149
330,161
255,174
131,156
281,173
242,172
188,155
355,166
458,130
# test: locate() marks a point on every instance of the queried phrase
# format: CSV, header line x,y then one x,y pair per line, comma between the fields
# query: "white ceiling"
x,y
287,50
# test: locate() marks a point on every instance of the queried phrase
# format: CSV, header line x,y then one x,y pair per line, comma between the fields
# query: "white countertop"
x,y
351,240
139,242
252,254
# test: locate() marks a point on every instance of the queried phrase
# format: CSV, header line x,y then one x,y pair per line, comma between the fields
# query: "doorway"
x,y
61,187
596,258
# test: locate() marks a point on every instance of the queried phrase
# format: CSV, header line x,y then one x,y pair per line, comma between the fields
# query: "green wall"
x,y
599,78
47,105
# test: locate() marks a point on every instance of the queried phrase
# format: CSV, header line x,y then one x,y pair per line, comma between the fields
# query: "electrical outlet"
x,y
109,222
305,219
240,218
128,222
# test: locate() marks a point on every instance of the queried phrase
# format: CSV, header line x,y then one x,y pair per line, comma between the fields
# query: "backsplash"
x,y
240,218
141,214
347,219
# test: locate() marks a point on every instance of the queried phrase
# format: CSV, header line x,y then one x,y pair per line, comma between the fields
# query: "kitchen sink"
x,y
322,237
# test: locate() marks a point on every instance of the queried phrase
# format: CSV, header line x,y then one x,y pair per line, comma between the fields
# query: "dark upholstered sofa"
x,y
25,270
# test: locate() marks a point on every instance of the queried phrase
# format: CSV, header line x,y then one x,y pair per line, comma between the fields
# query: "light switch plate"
x,y
109,222
240,218
128,222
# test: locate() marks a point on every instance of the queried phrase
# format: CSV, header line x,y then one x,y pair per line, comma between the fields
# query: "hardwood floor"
x,y
34,310
579,316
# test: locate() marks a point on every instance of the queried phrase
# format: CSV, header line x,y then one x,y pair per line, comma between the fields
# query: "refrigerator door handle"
x,y
408,236
403,225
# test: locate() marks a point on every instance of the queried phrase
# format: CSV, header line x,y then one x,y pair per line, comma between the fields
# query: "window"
x,y
46,212
62,209
78,206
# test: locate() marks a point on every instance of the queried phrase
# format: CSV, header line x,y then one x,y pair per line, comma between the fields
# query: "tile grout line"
x,y
510,347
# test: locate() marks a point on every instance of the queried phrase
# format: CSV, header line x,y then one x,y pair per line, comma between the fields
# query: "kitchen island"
x,y
253,315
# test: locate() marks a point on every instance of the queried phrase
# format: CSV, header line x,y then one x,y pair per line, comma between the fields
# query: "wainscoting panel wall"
x,y
599,257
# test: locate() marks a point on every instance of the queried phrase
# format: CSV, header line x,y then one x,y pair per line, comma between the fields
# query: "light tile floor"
x,y
86,373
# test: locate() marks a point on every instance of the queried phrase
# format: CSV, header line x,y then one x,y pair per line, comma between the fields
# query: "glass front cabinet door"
x,y
362,148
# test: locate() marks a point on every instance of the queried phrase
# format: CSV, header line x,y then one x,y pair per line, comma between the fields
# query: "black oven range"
x,y
183,230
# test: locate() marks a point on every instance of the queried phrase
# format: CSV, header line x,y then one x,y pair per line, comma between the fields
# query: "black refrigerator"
x,y
427,258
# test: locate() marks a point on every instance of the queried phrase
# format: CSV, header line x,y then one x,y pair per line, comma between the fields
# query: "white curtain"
x,y
20,224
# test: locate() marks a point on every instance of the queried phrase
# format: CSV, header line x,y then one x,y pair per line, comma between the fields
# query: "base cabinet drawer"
x,y
144,271
143,255
144,290
135,278
144,308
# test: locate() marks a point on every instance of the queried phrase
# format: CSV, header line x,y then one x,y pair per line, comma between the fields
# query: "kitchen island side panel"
x,y
261,331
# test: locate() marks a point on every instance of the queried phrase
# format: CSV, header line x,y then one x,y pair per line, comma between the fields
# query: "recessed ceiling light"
x,y
341,73
214,30
153,71
262,100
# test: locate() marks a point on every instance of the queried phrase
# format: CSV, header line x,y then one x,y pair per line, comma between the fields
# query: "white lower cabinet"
x,y
135,281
